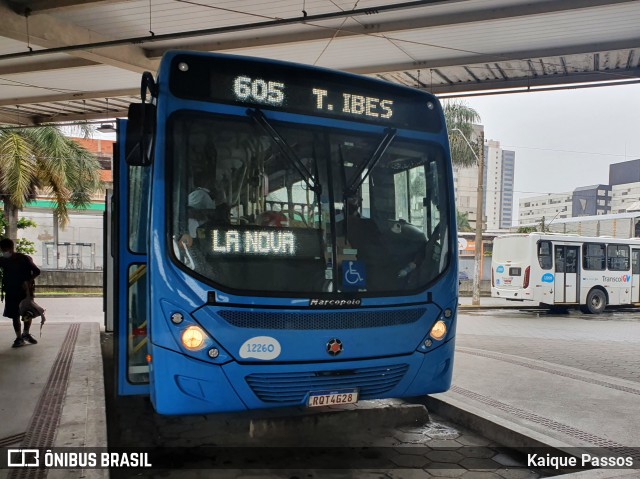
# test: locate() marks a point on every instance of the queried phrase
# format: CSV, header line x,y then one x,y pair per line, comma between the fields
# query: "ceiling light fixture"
x,y
106,127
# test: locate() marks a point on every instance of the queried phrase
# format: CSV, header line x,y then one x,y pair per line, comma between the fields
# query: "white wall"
x,y
82,228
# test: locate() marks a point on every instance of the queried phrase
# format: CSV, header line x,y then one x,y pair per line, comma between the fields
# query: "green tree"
x,y
463,221
459,116
23,245
527,229
44,158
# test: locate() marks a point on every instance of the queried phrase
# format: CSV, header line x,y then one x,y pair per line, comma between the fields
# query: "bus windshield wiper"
x,y
358,178
286,150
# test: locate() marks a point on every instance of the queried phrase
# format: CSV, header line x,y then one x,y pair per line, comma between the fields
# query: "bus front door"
x,y
566,274
128,250
635,275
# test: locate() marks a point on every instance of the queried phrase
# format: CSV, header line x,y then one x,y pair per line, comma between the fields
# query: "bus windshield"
x,y
265,206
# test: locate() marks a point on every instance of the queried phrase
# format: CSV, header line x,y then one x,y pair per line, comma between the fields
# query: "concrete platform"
x,y
52,393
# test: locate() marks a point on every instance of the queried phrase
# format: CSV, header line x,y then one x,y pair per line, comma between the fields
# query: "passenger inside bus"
x,y
205,204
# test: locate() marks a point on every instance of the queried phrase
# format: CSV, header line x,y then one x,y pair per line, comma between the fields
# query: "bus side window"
x,y
560,266
594,257
635,261
544,254
571,258
618,257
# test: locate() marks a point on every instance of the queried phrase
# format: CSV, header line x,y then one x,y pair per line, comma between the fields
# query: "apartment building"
x,y
498,197
499,168
531,210
465,182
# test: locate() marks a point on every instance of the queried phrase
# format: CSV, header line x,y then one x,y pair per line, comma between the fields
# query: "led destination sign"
x,y
303,90
257,90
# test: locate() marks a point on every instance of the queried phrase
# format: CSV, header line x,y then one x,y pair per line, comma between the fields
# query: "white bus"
x,y
566,270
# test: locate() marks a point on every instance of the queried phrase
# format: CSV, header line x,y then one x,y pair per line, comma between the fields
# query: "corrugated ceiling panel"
x,y
291,34
71,80
53,58
132,18
590,27
8,46
527,33
534,33
340,54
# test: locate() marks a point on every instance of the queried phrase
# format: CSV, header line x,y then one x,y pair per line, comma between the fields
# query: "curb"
x,y
466,307
515,436
511,435
482,308
492,427
601,474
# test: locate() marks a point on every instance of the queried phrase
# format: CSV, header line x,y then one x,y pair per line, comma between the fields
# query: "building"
x,y
591,200
465,182
620,196
583,201
624,179
551,206
499,167
498,186
624,172
103,151
508,171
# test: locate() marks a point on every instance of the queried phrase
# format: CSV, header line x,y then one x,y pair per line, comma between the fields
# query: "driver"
x,y
364,235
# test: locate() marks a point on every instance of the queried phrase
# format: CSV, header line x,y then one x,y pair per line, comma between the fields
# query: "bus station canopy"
x,y
81,60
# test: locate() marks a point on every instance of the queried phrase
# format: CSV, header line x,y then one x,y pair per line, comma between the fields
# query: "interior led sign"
x,y
254,242
263,242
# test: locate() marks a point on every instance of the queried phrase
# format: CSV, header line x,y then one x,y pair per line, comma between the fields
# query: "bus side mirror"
x,y
140,128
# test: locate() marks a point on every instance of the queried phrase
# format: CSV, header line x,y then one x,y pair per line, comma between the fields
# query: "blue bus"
x,y
281,235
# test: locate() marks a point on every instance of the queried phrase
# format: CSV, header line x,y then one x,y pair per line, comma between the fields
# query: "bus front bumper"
x,y
182,385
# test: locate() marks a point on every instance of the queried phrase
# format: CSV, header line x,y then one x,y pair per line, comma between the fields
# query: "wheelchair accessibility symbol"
x,y
353,275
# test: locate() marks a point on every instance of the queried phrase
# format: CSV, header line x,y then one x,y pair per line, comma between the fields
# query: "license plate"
x,y
333,398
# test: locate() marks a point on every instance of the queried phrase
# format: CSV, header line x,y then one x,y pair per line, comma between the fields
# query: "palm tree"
x,y
463,221
459,116
43,158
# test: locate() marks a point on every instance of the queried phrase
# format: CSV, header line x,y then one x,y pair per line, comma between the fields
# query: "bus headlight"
x,y
193,338
438,331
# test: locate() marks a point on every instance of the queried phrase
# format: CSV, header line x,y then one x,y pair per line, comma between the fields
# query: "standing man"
x,y
18,272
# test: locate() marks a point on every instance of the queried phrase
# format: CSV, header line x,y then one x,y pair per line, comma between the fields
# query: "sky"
x,y
563,139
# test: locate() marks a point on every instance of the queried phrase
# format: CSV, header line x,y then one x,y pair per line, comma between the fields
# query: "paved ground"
x,y
77,310
573,377
570,380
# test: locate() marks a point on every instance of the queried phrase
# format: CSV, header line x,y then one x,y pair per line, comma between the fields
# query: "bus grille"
x,y
321,320
293,387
